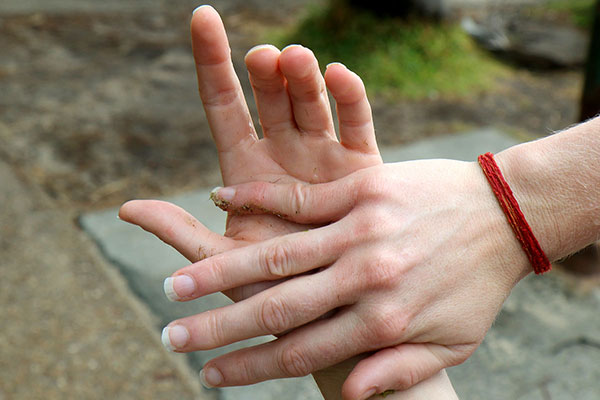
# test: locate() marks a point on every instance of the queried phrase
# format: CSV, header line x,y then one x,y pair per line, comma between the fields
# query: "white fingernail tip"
x,y
170,290
260,47
203,380
166,339
213,193
336,63
200,7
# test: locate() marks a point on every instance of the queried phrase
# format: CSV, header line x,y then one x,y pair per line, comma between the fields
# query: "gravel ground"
x,y
70,327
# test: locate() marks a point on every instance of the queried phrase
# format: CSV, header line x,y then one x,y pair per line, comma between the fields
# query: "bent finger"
x,y
298,202
353,109
399,368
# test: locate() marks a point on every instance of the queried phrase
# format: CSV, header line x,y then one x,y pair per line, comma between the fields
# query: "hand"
x,y
419,263
314,157
299,143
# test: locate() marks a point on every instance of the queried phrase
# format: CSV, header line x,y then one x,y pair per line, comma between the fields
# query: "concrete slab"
x,y
145,261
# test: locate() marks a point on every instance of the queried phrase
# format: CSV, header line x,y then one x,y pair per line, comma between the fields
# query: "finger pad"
x,y
297,62
263,62
209,38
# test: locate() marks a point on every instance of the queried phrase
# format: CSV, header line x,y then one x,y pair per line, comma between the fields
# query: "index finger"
x,y
219,86
274,259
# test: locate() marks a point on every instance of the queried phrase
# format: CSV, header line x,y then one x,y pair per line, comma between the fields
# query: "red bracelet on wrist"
x,y
514,215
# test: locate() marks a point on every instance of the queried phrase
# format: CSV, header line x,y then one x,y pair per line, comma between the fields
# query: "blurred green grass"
x,y
579,12
410,58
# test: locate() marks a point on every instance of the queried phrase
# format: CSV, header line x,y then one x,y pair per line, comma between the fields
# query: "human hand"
x,y
418,262
299,143
314,155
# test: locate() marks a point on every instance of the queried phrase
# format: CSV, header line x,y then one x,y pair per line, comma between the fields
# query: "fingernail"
x,y
178,287
175,337
226,193
260,47
210,377
368,394
291,45
221,194
198,8
336,63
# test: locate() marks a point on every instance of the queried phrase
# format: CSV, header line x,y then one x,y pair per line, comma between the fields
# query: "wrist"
x,y
526,171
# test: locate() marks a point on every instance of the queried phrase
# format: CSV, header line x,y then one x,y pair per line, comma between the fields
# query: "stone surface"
x,y
70,327
545,344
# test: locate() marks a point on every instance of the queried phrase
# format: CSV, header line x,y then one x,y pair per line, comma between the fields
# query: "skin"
x,y
299,145
417,262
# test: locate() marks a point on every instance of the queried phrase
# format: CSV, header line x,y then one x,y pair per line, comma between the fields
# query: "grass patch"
x,y
399,58
579,13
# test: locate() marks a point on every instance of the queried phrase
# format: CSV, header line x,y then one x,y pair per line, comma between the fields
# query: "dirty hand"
x,y
417,262
299,143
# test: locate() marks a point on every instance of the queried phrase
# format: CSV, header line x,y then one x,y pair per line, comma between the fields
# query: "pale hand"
x,y
419,263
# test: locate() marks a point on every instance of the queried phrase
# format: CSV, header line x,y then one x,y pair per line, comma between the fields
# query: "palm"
x,y
307,159
299,142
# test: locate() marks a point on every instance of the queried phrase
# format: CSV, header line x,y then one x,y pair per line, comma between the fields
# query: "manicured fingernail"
x,y
368,394
198,8
210,377
175,337
178,287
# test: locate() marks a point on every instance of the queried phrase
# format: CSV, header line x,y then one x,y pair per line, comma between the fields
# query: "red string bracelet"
x,y
514,215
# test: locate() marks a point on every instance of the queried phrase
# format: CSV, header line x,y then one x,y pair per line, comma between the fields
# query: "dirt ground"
x,y
100,108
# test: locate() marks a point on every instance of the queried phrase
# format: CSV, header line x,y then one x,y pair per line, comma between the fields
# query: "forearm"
x,y
556,181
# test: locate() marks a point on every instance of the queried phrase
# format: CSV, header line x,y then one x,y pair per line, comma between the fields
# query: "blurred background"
x,y
98,105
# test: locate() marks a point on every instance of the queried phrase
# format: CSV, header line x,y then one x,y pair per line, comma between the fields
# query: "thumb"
x,y
298,202
176,227
403,366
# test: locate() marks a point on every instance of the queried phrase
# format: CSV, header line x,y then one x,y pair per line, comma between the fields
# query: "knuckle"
x,y
245,371
276,261
216,334
373,185
293,362
373,223
460,353
217,270
221,97
381,272
385,327
298,198
273,317
311,90
408,379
